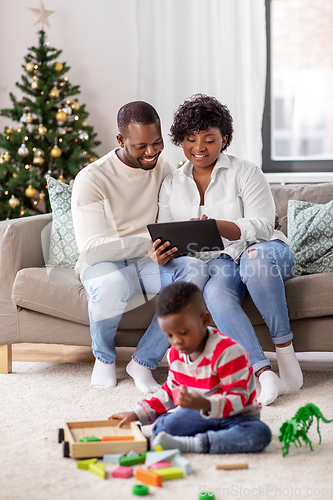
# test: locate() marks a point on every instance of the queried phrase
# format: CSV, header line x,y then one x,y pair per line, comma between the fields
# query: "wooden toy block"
x,y
117,438
89,439
84,464
159,465
75,431
112,458
123,472
132,460
132,453
183,464
170,473
159,456
239,465
98,469
149,477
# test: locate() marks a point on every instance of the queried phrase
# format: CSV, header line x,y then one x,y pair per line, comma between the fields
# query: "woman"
x,y
256,258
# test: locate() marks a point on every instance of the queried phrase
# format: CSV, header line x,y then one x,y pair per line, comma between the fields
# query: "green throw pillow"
x,y
310,233
63,250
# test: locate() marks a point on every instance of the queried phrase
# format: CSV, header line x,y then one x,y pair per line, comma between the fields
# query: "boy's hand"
x,y
125,418
192,400
157,255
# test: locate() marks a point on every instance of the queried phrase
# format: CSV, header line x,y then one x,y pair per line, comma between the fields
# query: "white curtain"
x,y
216,47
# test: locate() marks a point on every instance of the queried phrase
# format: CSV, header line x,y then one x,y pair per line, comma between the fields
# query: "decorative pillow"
x,y
310,233
63,250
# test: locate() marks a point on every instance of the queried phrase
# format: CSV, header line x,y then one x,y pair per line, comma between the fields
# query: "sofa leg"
x,y
6,358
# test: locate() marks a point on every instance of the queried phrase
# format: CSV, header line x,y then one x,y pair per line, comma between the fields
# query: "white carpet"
x,y
37,398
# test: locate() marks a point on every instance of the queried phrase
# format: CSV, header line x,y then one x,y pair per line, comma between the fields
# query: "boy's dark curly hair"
x,y
175,297
200,112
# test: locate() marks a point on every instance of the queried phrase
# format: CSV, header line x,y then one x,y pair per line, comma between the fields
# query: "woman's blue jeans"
x,y
238,434
261,272
114,286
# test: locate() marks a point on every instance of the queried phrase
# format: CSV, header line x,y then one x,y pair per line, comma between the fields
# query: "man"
x,y
113,200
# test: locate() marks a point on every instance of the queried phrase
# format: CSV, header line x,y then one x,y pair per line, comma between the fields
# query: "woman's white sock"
x,y
289,370
185,444
103,375
142,376
271,387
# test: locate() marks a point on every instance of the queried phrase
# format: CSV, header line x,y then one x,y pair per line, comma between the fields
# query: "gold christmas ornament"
x,y
75,105
84,124
61,115
34,85
29,118
41,195
30,67
56,152
9,130
13,202
30,191
38,160
14,175
61,178
6,157
92,159
42,130
54,92
58,66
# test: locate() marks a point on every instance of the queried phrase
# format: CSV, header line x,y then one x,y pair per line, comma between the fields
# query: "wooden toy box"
x,y
72,432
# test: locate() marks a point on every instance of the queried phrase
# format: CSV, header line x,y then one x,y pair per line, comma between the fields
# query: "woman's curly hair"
x,y
200,112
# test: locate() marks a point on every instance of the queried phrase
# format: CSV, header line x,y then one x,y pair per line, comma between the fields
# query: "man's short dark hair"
x,y
175,297
136,112
201,112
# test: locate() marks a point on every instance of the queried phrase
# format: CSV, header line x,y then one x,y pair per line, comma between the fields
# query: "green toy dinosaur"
x,y
297,427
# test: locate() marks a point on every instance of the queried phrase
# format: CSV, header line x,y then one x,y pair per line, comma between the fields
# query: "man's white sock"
x,y
185,444
142,376
271,387
289,369
103,375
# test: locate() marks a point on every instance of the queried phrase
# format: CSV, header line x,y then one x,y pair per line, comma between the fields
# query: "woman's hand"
x,y
125,417
157,255
192,400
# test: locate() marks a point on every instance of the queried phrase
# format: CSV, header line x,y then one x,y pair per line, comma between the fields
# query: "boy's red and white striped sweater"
x,y
222,373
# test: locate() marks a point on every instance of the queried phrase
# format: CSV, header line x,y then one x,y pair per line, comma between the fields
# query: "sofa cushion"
x,y
63,251
314,193
310,231
58,292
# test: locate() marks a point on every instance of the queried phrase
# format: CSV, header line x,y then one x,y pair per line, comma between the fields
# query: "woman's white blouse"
x,y
238,192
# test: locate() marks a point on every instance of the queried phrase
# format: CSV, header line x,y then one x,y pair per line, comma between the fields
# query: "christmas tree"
x,y
52,137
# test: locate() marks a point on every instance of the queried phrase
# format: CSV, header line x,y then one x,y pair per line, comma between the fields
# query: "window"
x,y
298,115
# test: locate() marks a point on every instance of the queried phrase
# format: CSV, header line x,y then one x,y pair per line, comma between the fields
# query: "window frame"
x,y
269,165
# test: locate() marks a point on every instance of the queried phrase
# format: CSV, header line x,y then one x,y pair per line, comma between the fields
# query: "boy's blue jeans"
x,y
261,272
238,434
114,286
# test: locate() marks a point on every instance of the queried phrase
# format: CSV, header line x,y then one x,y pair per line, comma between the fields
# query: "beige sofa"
x,y
49,306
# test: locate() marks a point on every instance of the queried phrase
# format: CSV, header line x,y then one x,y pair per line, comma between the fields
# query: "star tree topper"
x,y
42,14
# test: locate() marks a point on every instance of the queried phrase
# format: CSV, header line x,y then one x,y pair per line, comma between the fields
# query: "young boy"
x,y
210,378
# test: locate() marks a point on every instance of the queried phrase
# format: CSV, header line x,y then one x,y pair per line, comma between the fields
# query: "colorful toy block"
x,y
98,469
113,458
123,472
89,439
170,473
117,438
159,465
183,464
132,460
132,453
158,447
149,477
206,496
140,490
84,464
159,456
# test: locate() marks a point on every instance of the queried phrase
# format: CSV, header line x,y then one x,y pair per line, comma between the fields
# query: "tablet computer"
x,y
189,236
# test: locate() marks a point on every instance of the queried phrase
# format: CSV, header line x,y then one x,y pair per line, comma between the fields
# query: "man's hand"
x,y
203,217
157,255
192,400
125,418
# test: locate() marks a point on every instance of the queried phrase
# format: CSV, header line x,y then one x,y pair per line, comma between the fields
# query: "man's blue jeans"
x,y
114,286
261,271
238,434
